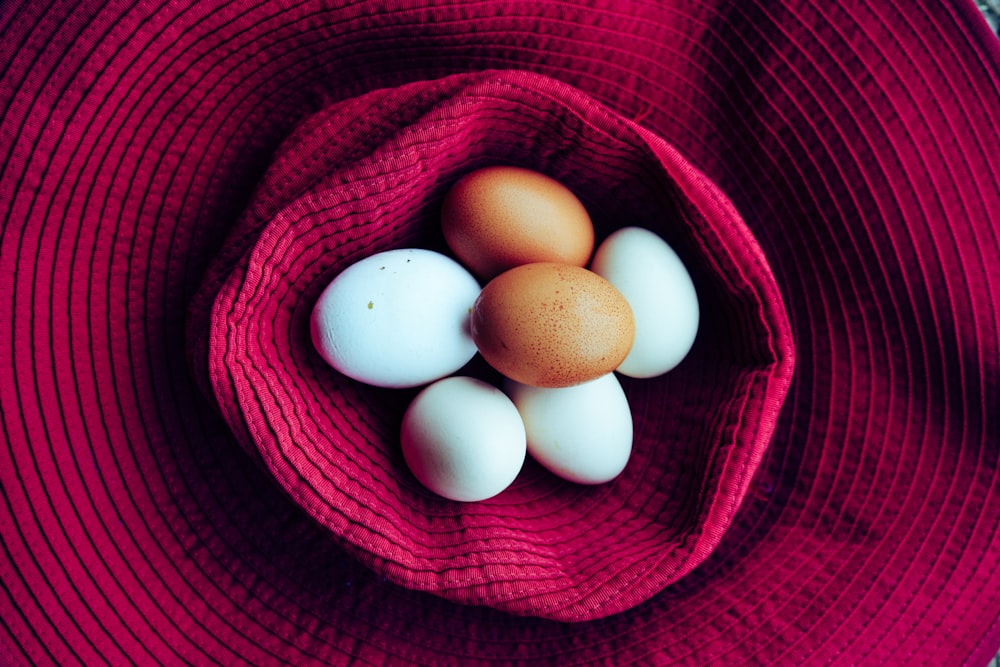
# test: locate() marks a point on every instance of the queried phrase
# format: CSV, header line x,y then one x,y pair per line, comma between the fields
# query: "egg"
x,y
500,217
399,318
659,289
581,433
463,439
552,325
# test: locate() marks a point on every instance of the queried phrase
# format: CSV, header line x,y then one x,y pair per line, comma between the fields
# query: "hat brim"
x,y
857,143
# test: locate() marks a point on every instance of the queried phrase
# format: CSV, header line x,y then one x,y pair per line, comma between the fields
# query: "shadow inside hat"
x,y
368,174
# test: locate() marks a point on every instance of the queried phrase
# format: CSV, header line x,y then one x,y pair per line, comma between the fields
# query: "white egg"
x,y
397,319
653,280
582,433
463,439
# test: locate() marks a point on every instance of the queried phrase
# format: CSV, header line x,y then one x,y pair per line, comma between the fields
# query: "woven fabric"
x,y
183,482
369,174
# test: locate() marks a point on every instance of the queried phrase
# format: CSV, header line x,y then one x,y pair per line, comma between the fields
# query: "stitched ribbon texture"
x,y
184,482
368,174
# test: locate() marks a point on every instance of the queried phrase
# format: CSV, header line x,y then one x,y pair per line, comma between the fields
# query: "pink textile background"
x,y
857,142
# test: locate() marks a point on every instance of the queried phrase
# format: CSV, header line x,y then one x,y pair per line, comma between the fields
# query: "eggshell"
x,y
581,433
500,217
552,325
654,281
397,319
463,439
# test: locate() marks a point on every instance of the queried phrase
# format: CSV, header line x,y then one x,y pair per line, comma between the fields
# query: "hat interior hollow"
x,y
368,174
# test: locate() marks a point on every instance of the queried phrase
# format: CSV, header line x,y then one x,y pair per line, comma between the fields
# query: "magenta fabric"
x,y
183,482
369,174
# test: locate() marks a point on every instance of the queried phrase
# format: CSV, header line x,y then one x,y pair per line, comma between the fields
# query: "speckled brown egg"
x,y
500,217
552,325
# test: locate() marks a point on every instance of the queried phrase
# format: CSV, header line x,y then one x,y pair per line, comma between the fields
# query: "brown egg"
x,y
552,325
497,218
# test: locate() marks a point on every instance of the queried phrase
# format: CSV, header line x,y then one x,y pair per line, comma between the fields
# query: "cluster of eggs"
x,y
556,330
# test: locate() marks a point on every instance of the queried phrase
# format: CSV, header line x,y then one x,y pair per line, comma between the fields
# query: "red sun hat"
x,y
184,481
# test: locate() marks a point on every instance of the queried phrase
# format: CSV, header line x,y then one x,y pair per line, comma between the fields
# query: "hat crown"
x,y
368,174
